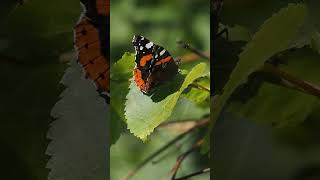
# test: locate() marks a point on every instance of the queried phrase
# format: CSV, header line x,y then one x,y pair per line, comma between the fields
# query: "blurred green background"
x,y
161,21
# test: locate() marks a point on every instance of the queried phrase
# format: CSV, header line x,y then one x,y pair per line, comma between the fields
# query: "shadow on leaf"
x,y
167,88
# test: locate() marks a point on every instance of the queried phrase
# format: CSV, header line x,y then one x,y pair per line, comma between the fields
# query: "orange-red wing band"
x,y
144,59
167,59
138,78
103,7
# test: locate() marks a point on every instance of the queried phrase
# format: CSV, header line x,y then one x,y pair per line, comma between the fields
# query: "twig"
x,y
178,126
206,170
166,146
192,49
198,86
297,83
182,157
165,155
190,57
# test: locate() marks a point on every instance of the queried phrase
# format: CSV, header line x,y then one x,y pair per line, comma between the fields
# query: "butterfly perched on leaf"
x,y
154,64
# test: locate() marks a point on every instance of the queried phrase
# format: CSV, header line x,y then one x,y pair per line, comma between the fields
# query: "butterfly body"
x,y
154,64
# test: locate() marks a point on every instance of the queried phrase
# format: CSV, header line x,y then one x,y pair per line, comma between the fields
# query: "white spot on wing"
x,y
141,47
149,45
162,52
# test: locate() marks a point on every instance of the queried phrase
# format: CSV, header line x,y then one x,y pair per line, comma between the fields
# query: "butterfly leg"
x,y
177,61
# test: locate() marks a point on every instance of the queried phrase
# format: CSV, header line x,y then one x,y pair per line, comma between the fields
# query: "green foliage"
x,y
163,22
143,114
274,36
122,160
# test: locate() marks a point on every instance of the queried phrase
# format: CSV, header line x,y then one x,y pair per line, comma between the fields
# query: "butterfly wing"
x,y
91,36
163,65
154,64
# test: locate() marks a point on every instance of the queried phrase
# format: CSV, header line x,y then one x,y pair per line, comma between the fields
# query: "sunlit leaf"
x,y
143,114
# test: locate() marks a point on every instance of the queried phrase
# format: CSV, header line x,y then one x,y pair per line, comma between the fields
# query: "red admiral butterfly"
x,y
154,64
91,35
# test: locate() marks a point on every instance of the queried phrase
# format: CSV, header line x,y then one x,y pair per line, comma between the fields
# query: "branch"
x,y
179,126
192,49
191,57
163,148
295,82
206,170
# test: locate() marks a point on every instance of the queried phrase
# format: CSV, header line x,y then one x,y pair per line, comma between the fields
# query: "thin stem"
x,y
182,157
192,49
206,170
163,148
198,86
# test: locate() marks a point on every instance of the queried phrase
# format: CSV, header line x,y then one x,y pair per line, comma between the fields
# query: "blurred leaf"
x,y
79,146
246,150
28,93
274,36
237,33
250,13
143,115
315,42
45,25
276,105
314,13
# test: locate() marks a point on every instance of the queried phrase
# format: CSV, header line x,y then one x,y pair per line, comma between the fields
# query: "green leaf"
x,y
122,69
80,128
274,36
188,110
281,106
199,96
121,72
143,114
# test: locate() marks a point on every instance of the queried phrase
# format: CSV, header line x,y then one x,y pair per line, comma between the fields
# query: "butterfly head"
x,y
142,44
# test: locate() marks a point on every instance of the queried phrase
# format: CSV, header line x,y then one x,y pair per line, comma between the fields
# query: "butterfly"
x,y
92,42
154,64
